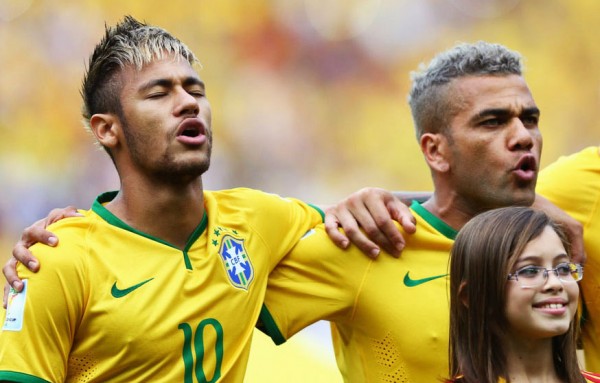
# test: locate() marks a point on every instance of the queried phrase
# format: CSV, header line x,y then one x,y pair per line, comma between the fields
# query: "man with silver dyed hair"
x,y
428,96
478,130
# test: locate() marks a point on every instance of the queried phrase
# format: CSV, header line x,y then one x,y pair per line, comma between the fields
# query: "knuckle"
x,y
381,222
354,200
372,231
351,231
28,231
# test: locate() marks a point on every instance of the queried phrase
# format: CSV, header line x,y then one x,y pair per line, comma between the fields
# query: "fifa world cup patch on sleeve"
x,y
15,309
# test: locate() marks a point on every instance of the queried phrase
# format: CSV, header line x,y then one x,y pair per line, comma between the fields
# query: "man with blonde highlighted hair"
x,y
160,280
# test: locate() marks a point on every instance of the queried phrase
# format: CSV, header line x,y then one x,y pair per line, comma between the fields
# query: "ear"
x,y
462,295
435,149
106,128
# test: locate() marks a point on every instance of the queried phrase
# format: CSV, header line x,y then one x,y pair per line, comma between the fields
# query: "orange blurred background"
x,y
308,97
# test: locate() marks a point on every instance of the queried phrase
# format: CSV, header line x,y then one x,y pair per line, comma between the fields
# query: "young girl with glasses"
x,y
513,301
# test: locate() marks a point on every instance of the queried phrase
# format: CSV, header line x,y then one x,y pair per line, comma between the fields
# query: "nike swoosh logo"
x,y
120,293
408,282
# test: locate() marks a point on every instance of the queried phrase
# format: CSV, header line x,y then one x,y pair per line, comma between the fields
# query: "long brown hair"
x,y
484,252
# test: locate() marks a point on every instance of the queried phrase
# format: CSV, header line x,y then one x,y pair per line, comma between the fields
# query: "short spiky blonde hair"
x,y
130,42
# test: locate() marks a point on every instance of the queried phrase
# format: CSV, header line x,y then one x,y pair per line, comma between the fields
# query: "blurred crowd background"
x,y
308,98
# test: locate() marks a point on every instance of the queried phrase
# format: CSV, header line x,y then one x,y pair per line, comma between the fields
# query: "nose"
x,y
552,282
186,103
522,137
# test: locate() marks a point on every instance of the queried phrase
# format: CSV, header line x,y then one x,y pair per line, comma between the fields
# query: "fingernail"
x,y
345,244
17,285
374,253
31,265
52,241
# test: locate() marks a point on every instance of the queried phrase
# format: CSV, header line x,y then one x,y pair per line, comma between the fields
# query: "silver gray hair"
x,y
431,109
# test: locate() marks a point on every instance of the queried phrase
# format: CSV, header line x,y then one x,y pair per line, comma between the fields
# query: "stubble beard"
x,y
166,169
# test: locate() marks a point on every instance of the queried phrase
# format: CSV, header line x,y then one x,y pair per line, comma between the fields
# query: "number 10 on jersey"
x,y
195,339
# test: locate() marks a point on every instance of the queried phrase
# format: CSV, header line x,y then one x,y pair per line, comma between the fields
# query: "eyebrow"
x,y
168,83
505,113
535,257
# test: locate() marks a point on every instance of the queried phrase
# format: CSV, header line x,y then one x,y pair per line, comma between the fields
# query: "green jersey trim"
x,y
434,221
318,209
267,325
98,208
20,377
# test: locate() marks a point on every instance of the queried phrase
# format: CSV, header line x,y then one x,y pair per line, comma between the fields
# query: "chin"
x,y
525,197
182,173
554,330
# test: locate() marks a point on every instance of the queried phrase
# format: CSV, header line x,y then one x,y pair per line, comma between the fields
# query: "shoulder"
x,y
250,201
317,245
315,258
432,232
573,182
587,160
245,196
73,237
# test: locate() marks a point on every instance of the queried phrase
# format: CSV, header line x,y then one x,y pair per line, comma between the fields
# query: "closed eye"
x,y
156,95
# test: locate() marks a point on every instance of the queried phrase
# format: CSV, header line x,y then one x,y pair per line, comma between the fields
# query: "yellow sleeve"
x,y
573,184
315,281
36,340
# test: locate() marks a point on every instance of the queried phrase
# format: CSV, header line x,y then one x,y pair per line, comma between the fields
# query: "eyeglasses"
x,y
535,276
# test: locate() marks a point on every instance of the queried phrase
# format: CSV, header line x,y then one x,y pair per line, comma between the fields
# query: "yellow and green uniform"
x,y
113,304
573,184
390,317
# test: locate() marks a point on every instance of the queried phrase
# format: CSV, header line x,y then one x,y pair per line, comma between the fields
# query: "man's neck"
x,y
449,209
168,212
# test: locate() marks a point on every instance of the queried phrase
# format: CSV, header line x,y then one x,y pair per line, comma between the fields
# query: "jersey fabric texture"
x,y
573,184
390,316
114,304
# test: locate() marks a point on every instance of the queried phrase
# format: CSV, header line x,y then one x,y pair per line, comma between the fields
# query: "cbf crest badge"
x,y
236,261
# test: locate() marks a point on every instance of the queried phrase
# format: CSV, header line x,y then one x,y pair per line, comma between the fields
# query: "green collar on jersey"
x,y
434,221
98,208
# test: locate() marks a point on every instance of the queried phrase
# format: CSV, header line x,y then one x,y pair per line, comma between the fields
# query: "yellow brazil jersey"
x,y
389,316
113,304
573,184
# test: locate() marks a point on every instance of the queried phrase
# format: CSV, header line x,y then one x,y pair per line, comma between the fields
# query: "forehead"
x,y
169,68
472,94
547,246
